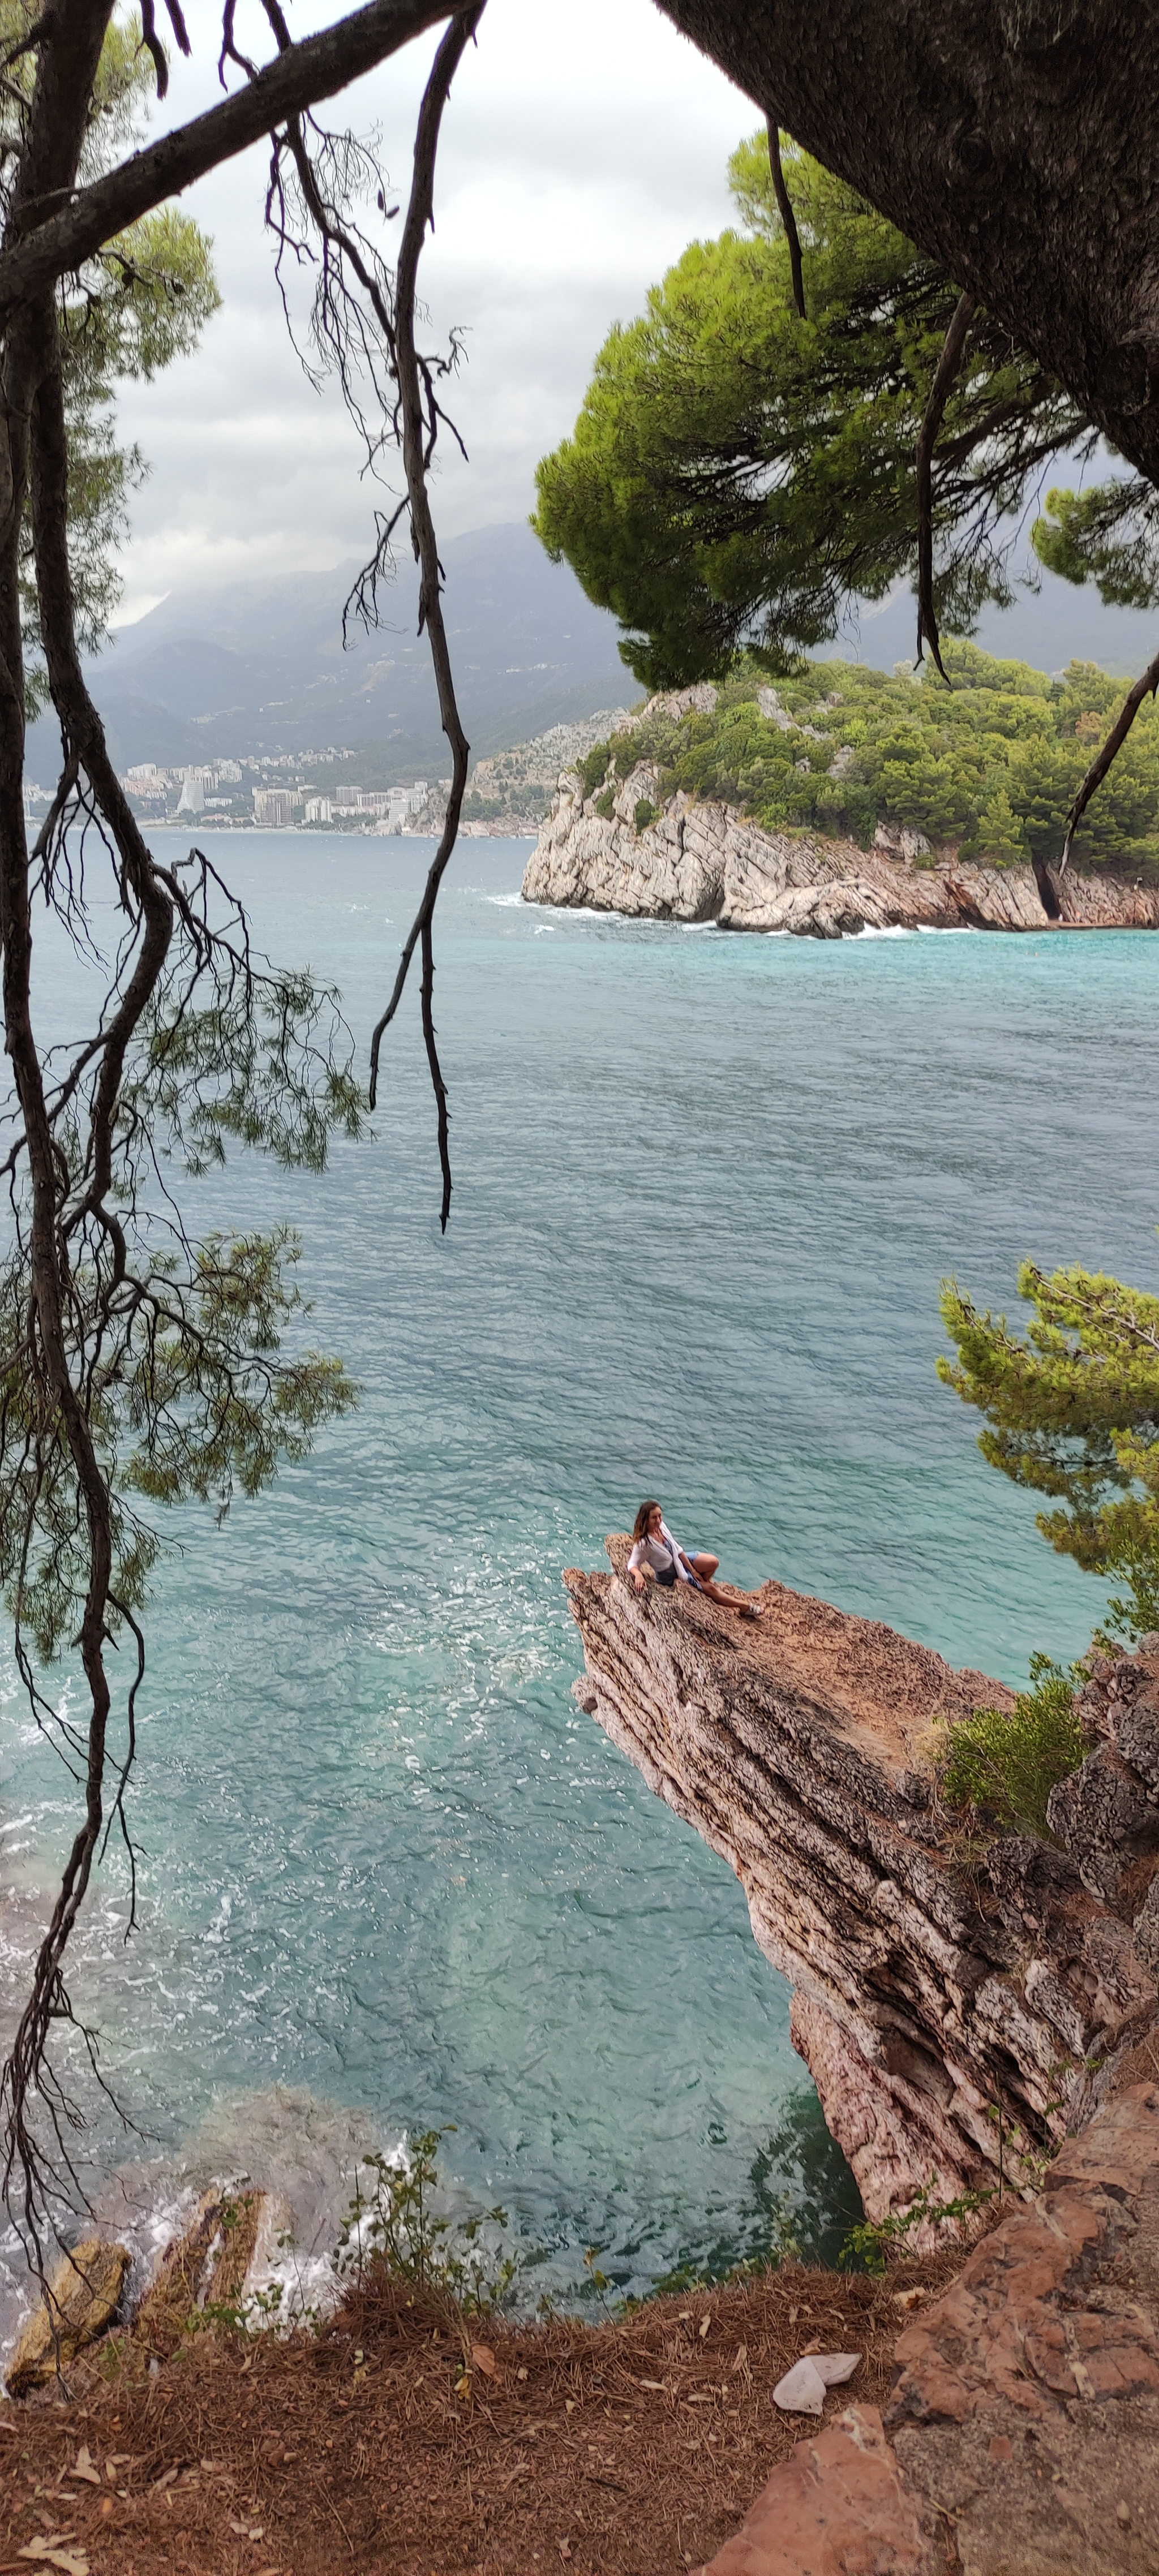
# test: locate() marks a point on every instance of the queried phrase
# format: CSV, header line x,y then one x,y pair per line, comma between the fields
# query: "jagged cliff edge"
x,y
703,862
955,2004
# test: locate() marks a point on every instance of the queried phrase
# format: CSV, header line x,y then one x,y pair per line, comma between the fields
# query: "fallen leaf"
x,y
74,2562
259,2534
242,2527
165,2480
705,2323
742,2354
651,2383
484,2359
907,2298
84,2468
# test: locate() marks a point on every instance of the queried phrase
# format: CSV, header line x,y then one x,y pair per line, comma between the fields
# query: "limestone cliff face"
x,y
702,862
932,1984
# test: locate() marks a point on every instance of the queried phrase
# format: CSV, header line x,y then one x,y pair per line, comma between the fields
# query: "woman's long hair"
x,y
643,1516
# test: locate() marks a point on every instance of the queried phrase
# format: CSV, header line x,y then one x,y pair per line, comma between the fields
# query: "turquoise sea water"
x,y
705,1189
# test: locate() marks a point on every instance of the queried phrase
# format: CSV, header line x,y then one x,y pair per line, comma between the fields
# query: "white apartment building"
x,y
274,806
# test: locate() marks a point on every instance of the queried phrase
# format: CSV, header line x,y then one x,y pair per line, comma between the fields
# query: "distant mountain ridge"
x,y
259,666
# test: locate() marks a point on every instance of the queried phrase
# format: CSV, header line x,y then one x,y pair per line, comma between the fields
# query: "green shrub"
x,y
391,2222
593,768
866,2246
1011,1762
605,804
645,813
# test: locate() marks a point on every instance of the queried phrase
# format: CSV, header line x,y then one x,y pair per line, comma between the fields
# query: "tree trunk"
x,y
1017,141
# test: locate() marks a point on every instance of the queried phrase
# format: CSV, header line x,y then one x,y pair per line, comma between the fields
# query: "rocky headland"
x,y
978,2012
700,861
962,2003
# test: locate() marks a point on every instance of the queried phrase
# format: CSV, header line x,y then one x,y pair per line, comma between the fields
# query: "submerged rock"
x,y
84,2292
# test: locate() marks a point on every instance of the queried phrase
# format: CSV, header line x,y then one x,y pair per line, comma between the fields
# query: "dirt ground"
x,y
388,2446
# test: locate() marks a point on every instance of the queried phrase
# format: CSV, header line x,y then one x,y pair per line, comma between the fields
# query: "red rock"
x,y
838,2506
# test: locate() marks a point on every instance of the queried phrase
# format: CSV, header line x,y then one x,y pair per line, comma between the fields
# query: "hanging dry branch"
x,y
316,68
788,218
418,433
1146,687
136,1361
953,350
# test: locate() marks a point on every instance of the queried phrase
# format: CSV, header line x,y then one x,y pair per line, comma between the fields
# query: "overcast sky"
x,y
581,151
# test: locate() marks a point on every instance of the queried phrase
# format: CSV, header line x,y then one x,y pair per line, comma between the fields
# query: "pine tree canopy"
x,y
738,473
1072,1412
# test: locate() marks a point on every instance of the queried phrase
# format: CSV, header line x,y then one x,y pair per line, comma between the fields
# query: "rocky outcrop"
x,y
704,862
981,2009
1023,2434
81,2300
838,2506
959,2007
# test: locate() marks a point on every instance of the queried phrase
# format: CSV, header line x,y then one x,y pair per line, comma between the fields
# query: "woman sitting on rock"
x,y
656,1558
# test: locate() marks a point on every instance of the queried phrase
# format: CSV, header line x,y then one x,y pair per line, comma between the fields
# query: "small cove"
x,y
705,1190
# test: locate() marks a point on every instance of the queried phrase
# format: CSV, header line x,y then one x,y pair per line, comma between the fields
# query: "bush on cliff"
x,y
990,766
1008,1763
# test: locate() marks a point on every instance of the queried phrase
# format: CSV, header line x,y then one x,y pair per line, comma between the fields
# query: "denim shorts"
x,y
667,1578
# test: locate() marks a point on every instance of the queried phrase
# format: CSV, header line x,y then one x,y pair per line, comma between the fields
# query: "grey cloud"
x,y
580,155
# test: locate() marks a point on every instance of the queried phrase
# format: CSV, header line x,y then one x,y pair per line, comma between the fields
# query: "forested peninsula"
x,y
847,798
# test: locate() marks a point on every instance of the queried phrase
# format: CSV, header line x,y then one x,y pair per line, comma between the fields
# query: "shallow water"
x,y
705,1189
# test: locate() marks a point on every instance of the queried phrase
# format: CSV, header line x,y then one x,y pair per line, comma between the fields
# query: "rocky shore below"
x,y
697,861
975,2011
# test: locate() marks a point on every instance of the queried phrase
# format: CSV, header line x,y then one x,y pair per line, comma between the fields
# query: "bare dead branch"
x,y
417,430
316,68
788,218
953,349
1146,687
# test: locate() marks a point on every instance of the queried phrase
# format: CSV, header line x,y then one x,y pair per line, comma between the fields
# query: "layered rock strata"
x,y
704,862
958,2006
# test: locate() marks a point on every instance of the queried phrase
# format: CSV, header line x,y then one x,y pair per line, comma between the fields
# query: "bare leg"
x,y
705,1568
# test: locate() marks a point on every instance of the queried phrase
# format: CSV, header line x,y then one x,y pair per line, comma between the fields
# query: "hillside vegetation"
x,y
990,765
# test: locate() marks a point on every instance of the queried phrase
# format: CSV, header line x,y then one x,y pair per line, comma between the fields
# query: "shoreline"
x,y
706,863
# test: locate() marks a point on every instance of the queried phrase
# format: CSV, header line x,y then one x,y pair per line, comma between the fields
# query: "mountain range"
x,y
260,666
